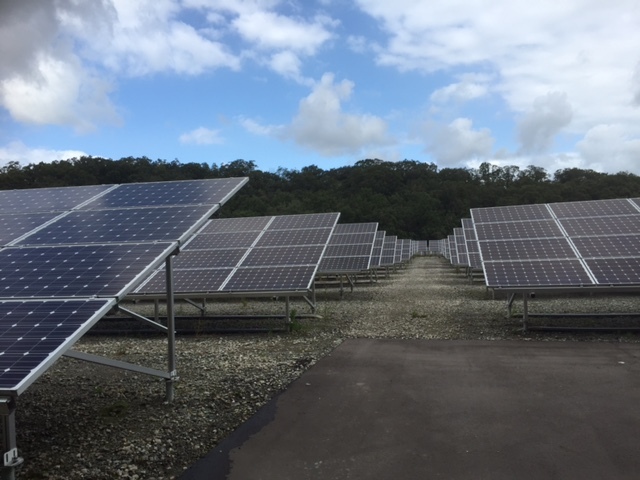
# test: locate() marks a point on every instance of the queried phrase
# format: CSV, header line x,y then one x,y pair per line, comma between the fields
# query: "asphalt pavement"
x,y
438,409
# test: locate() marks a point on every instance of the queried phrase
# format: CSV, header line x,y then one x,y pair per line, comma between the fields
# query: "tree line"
x,y
411,199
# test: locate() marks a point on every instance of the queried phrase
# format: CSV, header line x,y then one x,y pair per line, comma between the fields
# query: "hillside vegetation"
x,y
410,199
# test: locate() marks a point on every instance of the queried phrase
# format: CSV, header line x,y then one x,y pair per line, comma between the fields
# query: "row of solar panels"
x,y
589,245
68,255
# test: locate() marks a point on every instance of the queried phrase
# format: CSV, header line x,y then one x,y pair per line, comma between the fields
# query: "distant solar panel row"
x,y
350,248
251,254
572,244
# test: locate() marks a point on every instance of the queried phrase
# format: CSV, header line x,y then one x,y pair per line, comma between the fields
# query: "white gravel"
x,y
84,421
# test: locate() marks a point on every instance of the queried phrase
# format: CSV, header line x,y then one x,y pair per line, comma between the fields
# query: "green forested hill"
x,y
410,199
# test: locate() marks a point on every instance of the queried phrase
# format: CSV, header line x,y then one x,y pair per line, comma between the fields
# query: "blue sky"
x,y
291,83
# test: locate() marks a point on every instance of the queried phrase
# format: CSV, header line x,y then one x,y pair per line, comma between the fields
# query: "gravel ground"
x,y
84,421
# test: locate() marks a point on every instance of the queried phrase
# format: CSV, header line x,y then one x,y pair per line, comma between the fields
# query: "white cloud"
x,y
585,48
321,124
457,142
257,129
21,153
268,30
459,92
201,136
609,148
538,128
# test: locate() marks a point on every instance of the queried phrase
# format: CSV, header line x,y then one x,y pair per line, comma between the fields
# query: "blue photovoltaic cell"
x,y
347,250
234,225
224,257
302,255
608,247
262,250
536,273
352,228
16,225
585,227
353,238
176,193
594,208
73,271
118,226
533,249
186,281
32,332
510,214
296,278
311,220
615,271
208,241
278,238
345,264
513,230
59,199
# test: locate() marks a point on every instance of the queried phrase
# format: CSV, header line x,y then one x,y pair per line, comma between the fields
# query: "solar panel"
x,y
471,242
235,225
613,225
67,255
76,271
291,278
387,258
309,236
208,241
267,253
513,230
292,222
510,214
119,226
608,246
204,281
14,226
406,250
222,257
59,199
350,248
547,273
615,271
293,255
33,334
594,208
347,250
345,264
533,249
586,243
353,238
461,247
157,194
376,253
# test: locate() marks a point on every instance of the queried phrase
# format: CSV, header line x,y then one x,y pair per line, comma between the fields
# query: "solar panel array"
x,y
376,253
474,259
350,248
461,247
251,254
558,245
67,255
387,258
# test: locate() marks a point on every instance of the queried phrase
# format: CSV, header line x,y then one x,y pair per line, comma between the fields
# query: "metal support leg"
x,y
171,330
11,460
510,304
156,310
525,312
287,312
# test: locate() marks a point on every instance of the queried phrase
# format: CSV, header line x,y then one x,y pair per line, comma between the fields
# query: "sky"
x,y
293,83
